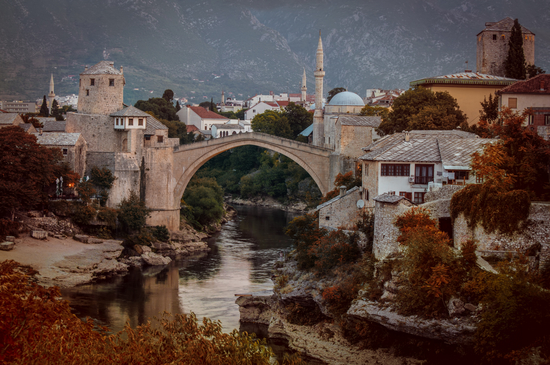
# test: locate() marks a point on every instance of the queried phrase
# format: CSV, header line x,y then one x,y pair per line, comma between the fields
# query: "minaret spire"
x,y
318,124
51,95
304,88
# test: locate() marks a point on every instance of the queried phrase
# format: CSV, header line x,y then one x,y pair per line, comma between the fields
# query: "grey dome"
x,y
346,98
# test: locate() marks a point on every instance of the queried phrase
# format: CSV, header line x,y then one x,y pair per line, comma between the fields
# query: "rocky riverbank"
x,y
298,206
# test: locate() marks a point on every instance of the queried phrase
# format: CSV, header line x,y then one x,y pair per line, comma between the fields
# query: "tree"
x,y
333,92
27,169
489,109
133,213
44,108
272,122
378,111
209,105
421,108
30,118
240,114
103,179
204,197
168,95
514,65
533,71
56,112
160,108
298,118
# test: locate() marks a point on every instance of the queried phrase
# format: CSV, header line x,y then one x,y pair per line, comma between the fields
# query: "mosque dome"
x,y
346,98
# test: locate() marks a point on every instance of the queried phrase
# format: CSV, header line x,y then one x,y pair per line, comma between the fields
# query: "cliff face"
x,y
245,47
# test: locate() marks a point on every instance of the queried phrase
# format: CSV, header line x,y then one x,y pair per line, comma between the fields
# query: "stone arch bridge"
x,y
187,159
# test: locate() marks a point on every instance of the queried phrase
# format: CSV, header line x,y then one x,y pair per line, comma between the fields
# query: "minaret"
x,y
318,125
304,88
51,95
223,97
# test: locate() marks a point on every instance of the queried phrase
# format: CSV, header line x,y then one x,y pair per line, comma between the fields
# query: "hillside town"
x,y
424,237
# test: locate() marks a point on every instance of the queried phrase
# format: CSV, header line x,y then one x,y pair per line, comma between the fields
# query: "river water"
x,y
240,262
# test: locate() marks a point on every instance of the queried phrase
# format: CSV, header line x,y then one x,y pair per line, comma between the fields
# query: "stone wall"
x,y
100,98
98,131
341,212
445,192
350,139
370,181
385,232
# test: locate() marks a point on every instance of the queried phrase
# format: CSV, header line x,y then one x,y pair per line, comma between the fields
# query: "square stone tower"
x,y
492,46
101,89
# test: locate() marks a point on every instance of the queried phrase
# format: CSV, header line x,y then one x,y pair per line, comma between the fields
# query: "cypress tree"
x,y
514,65
44,108
56,112
178,107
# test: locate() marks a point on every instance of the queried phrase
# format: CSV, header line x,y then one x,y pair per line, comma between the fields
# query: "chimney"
x,y
121,70
39,131
407,136
342,190
86,68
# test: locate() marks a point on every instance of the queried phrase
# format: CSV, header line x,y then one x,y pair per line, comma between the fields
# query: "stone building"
x,y
342,211
388,207
72,146
9,119
492,46
101,89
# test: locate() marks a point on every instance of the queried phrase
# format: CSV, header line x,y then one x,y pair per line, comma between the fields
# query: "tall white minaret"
x,y
318,125
51,95
223,97
304,88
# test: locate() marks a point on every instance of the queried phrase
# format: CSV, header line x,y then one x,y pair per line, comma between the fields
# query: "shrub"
x,y
305,232
338,298
83,214
108,215
9,228
161,233
142,238
333,249
132,213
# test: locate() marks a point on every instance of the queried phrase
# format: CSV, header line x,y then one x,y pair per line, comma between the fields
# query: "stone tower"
x,y
492,46
51,95
318,126
304,87
101,89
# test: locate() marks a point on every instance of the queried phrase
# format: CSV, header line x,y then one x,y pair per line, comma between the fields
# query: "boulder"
x,y
153,259
146,249
470,307
10,238
455,307
138,249
40,235
7,246
81,238
95,240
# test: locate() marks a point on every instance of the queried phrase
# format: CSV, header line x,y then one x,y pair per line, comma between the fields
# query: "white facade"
x,y
259,108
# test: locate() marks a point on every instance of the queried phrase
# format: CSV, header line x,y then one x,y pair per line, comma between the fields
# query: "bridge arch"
x,y
188,159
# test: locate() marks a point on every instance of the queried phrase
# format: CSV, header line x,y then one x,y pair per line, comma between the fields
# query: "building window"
x,y
530,119
87,92
460,175
160,139
147,137
547,119
423,174
92,82
395,169
419,198
494,37
140,121
65,151
479,179
130,121
111,82
513,103
406,194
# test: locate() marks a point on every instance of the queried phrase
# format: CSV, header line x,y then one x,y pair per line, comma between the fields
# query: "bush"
x,y
9,228
161,233
305,232
334,249
142,238
132,213
107,215
204,198
83,214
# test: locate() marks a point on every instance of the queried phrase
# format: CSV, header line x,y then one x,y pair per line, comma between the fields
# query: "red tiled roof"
x,y
3,111
539,84
203,113
270,103
191,128
283,103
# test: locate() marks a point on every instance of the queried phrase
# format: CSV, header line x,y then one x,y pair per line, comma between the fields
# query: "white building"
x,y
200,117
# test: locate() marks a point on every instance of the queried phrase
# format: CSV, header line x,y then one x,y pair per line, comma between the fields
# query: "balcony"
x,y
423,180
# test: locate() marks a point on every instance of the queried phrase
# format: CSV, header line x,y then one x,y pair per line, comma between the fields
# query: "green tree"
x,y
421,108
298,118
489,109
514,65
230,114
335,91
533,71
168,95
160,108
204,199
374,111
44,108
103,179
240,114
27,169
209,105
178,107
272,122
132,213
56,112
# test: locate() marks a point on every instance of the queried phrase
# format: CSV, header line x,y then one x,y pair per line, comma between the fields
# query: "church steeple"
x,y
304,87
51,95
318,125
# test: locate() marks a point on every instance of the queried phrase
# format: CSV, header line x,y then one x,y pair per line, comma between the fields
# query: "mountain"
x,y
246,47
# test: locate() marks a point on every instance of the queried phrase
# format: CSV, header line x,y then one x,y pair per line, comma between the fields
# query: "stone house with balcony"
x,y
408,164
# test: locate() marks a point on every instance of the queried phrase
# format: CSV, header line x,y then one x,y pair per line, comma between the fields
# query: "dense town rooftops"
x,y
57,139
539,84
8,118
54,126
130,111
102,68
370,121
465,78
504,25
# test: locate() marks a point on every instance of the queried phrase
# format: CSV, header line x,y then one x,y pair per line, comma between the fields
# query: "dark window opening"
x,y
424,174
406,194
446,225
87,92
140,121
111,82
130,121
530,119
92,82
395,169
65,151
419,198
547,119
147,137
160,139
494,37
327,218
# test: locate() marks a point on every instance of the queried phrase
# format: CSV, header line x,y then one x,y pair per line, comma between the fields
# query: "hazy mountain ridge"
x,y
246,47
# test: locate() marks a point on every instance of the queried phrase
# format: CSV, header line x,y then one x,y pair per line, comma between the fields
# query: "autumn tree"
x,y
272,122
421,108
44,108
27,168
335,91
489,109
514,65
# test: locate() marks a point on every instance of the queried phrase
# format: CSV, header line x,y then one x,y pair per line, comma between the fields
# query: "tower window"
x,y
87,92
65,151
92,82
547,119
160,139
140,121
111,82
494,37
130,121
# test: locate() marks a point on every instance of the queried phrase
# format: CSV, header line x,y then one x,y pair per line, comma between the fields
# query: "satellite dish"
x,y
360,203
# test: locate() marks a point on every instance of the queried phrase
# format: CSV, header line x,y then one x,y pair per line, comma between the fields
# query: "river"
x,y
239,262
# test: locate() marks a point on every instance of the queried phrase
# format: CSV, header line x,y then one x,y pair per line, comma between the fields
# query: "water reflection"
x,y
240,261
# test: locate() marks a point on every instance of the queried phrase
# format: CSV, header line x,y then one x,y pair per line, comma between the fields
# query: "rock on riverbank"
x,y
268,202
